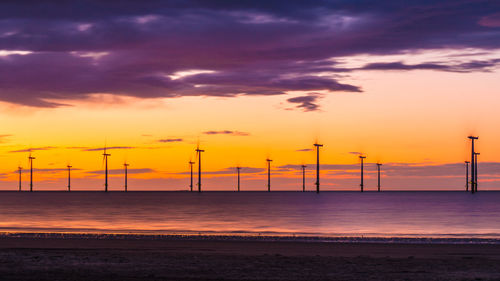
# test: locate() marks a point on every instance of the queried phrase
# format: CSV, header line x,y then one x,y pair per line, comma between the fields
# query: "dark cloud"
x,y
121,171
304,149
170,140
108,148
469,66
226,132
487,169
33,149
250,47
232,170
308,102
53,170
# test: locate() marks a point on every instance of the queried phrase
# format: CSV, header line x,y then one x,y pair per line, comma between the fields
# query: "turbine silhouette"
x,y
125,166
303,177
238,168
317,145
20,169
475,170
198,153
191,168
472,165
69,176
361,157
269,174
105,160
467,176
378,178
31,158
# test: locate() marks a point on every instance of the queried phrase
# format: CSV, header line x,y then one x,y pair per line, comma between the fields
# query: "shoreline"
x,y
78,259
253,238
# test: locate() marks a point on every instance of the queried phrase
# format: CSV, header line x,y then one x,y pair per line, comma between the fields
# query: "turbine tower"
x,y
475,170
105,159
269,174
317,145
31,158
125,166
20,169
69,176
303,178
362,175
238,168
198,152
467,176
378,173
191,168
472,165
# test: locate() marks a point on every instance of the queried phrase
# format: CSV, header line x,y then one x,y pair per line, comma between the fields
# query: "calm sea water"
x,y
385,214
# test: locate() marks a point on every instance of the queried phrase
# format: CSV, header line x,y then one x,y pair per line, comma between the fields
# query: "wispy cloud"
x,y
121,171
232,170
108,148
33,149
3,138
308,102
226,132
304,149
51,170
171,140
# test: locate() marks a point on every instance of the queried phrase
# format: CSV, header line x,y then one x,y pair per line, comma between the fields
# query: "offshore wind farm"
x,y
473,164
249,140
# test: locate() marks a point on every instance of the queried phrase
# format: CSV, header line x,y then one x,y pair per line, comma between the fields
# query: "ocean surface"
x,y
328,214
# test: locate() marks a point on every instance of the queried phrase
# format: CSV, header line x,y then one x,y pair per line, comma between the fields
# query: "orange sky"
x,y
419,116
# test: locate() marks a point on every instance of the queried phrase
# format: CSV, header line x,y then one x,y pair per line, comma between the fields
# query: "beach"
x,y
192,258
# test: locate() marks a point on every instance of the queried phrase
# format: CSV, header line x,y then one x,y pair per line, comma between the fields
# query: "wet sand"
x,y
139,259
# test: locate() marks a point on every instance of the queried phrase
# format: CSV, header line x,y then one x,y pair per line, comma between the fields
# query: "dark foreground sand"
x,y
122,259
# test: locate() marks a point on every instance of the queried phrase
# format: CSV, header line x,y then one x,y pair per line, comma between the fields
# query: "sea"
x,y
330,215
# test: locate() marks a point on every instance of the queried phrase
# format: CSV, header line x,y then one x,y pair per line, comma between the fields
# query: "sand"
x,y
191,259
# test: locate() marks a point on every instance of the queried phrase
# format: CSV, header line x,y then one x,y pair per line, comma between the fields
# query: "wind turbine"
x,y
105,160
303,178
238,168
475,170
472,165
69,176
269,174
317,145
125,166
362,175
467,176
198,153
378,172
191,168
31,158
20,169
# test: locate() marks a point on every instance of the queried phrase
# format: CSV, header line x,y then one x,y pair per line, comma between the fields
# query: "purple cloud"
x,y
232,170
121,171
226,132
170,140
33,149
108,148
243,47
308,102
468,66
304,149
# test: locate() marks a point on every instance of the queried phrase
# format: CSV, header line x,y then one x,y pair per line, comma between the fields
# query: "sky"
x,y
403,83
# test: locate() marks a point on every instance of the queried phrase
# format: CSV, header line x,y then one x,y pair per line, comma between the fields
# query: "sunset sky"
x,y
403,82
